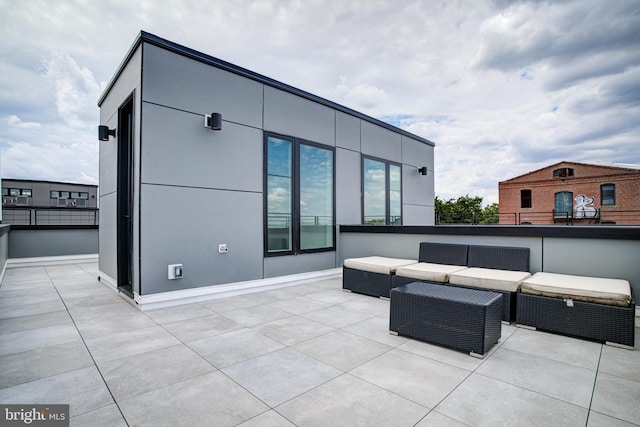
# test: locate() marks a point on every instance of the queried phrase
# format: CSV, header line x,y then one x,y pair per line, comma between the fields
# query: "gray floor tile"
x,y
337,316
349,401
177,313
443,354
144,372
376,329
43,362
620,362
292,330
585,354
267,419
107,416
24,274
549,377
24,323
31,309
222,305
335,296
13,299
234,347
374,306
256,315
600,420
435,419
617,397
128,343
18,342
120,309
83,389
210,399
342,350
280,376
201,327
95,328
413,377
270,296
482,401
299,305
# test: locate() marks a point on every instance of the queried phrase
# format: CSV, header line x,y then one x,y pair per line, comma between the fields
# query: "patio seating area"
x,y
303,355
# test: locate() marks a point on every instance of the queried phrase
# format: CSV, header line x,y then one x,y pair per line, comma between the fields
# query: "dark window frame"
x,y
603,198
526,196
566,211
295,196
387,179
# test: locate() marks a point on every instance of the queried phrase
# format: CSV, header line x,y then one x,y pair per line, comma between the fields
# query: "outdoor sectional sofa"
x,y
490,268
594,308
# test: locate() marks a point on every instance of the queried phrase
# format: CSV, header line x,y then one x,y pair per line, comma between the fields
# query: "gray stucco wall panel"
x,y
417,215
107,236
417,189
186,84
288,114
230,217
418,154
348,187
380,142
295,264
178,150
347,131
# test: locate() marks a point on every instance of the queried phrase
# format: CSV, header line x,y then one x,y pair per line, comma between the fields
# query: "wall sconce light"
x,y
422,170
104,132
214,121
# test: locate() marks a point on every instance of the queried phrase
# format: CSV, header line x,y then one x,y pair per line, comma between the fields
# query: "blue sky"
x,y
502,87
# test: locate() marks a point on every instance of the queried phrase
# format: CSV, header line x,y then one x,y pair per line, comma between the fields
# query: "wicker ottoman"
x,y
460,318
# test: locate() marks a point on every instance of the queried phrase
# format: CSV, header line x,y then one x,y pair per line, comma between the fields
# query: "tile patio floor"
x,y
307,355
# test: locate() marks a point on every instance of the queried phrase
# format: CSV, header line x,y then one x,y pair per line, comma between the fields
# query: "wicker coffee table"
x,y
460,318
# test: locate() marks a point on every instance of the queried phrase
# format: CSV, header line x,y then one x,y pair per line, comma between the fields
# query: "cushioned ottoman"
x,y
504,281
599,309
371,275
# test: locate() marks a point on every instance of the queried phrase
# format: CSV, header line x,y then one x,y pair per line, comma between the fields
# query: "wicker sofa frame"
x,y
596,322
366,282
494,257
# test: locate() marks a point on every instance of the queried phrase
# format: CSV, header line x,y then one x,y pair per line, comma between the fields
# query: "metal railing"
x,y
50,216
599,216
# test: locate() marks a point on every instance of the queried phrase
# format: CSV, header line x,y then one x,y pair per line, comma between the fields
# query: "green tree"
x,y
465,210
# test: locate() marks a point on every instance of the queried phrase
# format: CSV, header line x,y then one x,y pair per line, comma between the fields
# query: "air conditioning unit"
x,y
62,203
22,201
80,203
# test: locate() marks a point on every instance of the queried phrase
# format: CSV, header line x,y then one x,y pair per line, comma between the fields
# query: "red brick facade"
x,y
621,194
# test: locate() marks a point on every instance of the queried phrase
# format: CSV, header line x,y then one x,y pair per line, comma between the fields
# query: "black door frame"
x,y
125,187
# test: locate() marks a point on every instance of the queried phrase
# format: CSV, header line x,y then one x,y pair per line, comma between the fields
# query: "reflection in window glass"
x,y
64,194
374,180
55,194
316,197
14,192
279,192
395,191
26,192
608,194
564,203
84,195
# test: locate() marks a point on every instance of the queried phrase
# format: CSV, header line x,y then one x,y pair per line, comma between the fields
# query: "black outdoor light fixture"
x,y
213,122
422,170
104,132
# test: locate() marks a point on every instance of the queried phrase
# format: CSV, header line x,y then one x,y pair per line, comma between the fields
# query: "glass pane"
x,y
564,203
279,185
395,195
316,197
64,194
14,192
26,192
608,194
374,192
84,195
55,194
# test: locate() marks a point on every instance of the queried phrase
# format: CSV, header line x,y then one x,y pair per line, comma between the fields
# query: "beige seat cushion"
x,y
377,264
488,278
581,288
428,271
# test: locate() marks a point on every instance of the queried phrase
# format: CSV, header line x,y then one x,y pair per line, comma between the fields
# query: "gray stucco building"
x,y
259,198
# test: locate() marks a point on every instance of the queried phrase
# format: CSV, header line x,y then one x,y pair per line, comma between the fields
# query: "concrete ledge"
x,y
50,260
187,296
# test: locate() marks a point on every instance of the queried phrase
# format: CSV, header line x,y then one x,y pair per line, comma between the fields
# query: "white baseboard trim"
x,y
50,260
187,296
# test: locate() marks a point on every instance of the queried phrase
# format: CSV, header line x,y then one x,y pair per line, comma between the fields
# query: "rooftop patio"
x,y
308,354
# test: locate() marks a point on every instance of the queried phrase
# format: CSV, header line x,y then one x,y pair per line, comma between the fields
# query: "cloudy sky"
x,y
502,87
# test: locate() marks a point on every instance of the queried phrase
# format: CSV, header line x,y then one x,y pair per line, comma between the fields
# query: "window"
x,y
563,172
64,194
607,194
26,192
564,203
5,191
525,199
14,191
381,192
299,196
55,194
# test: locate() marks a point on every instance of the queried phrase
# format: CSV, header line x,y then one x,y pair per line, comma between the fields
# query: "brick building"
x,y
572,193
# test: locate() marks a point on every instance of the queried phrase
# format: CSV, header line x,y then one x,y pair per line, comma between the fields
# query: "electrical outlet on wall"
x,y
175,271
222,248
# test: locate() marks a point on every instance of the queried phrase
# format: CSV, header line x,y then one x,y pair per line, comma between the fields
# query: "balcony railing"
x,y
50,216
596,216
